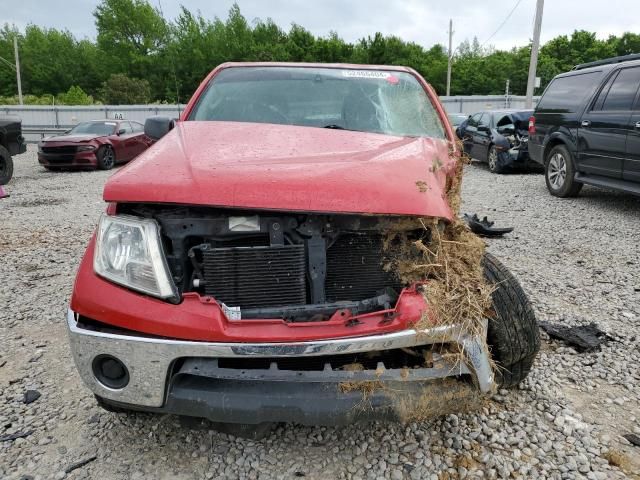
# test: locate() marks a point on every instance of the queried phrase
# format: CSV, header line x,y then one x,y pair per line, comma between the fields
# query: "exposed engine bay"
x,y
514,128
296,266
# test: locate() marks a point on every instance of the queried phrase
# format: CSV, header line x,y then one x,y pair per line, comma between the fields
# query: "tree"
x,y
135,42
75,96
122,90
132,36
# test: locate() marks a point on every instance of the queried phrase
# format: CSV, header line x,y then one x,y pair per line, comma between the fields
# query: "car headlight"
x,y
128,252
86,148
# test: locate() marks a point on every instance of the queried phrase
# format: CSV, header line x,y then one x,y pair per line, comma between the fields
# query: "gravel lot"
x,y
578,260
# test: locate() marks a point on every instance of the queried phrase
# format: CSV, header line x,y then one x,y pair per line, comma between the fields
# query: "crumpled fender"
x,y
505,159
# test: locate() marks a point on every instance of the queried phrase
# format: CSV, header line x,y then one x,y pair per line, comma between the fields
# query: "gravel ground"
x,y
576,258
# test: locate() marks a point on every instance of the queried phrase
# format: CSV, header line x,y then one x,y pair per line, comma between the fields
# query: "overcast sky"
x,y
421,21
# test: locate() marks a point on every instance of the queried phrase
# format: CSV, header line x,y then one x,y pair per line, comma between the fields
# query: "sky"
x,y
422,21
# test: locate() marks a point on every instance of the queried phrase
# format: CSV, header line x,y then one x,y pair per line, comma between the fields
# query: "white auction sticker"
x,y
366,74
232,313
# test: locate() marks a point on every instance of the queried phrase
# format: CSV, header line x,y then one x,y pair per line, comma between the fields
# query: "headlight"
x,y
86,148
128,252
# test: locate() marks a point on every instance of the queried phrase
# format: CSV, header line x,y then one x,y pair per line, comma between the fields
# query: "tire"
x,y
6,166
106,158
559,173
513,334
492,160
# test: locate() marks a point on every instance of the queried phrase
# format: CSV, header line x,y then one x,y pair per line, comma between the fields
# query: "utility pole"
x,y
450,58
15,48
507,102
533,63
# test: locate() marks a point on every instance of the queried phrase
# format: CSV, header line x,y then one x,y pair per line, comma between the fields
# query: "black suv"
x,y
586,127
11,143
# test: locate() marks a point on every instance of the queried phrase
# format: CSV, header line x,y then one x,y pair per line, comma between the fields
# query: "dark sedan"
x,y
98,144
456,118
498,137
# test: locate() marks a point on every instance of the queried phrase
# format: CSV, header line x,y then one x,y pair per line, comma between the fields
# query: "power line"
x,y
8,63
503,23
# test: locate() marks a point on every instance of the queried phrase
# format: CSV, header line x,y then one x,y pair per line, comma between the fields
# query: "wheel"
x,y
492,158
6,166
513,333
106,157
559,173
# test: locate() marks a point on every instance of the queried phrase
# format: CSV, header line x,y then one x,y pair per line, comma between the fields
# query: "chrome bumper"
x,y
149,359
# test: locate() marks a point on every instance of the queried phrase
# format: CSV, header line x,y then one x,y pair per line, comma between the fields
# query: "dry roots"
x,y
448,257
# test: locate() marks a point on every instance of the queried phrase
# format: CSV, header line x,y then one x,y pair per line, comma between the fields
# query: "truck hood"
x,y
290,168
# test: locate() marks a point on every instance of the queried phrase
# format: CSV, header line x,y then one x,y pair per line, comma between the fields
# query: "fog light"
x,y
110,371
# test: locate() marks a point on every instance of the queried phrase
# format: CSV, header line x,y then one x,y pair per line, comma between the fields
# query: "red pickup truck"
x,y
238,273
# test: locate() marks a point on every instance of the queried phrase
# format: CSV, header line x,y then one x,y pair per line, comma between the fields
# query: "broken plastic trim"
x,y
485,227
322,311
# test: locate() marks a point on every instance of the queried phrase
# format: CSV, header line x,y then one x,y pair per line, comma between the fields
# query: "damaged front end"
x,y
512,140
293,317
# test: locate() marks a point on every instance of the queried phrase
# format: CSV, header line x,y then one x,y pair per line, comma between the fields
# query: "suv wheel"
x,y
6,166
559,172
513,333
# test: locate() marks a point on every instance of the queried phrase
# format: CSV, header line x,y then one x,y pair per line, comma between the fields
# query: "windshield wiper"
x,y
335,126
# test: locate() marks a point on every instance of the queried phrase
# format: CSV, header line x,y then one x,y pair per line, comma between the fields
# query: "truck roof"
x,y
395,68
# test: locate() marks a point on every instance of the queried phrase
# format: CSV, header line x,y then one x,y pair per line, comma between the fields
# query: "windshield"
x,y
94,128
392,103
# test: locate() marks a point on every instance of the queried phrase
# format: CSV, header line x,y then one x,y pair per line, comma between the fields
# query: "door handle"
x,y
587,123
637,124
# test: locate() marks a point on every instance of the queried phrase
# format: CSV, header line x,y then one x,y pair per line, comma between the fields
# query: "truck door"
x,y
631,167
602,132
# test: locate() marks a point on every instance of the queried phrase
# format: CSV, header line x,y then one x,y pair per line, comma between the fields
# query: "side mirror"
x,y
157,127
506,130
121,131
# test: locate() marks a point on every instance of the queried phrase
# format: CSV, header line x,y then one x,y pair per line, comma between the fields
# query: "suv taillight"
x,y
532,125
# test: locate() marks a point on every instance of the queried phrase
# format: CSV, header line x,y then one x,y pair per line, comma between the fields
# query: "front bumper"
x,y
78,159
184,377
513,158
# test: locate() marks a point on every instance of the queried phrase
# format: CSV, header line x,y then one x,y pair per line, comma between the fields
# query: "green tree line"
x,y
139,57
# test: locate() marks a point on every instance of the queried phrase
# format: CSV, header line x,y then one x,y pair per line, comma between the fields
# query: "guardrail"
x,y
42,120
469,104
